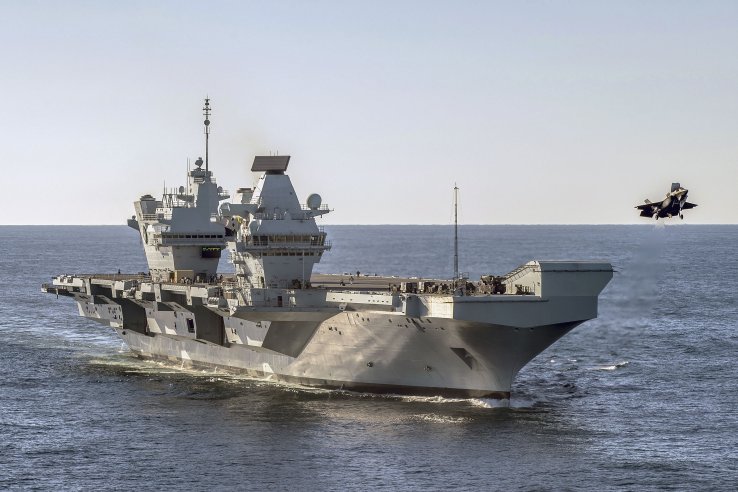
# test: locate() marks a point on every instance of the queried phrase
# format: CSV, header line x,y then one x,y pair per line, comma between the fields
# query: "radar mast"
x,y
206,113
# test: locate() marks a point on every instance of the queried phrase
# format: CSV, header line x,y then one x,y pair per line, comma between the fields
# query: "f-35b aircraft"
x,y
674,203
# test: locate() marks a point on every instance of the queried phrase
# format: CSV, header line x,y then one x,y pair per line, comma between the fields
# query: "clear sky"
x,y
542,112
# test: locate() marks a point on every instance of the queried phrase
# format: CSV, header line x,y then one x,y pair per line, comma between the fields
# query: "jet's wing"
x,y
688,205
648,208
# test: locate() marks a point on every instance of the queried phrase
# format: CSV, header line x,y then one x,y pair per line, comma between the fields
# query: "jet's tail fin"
x,y
675,186
647,200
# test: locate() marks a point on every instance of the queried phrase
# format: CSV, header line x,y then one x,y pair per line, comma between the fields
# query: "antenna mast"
x,y
456,233
206,113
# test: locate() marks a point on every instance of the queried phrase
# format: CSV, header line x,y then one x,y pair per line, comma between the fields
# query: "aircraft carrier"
x,y
274,319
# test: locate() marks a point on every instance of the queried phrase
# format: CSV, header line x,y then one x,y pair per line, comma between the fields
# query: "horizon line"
x,y
435,224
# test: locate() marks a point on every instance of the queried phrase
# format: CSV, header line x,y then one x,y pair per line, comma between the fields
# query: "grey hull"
x,y
443,357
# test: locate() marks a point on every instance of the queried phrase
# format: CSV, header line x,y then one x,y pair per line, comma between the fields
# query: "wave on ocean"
x,y
612,367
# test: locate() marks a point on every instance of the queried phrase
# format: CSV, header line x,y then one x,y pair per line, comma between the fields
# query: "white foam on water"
x,y
612,367
440,419
438,400
490,403
475,402
132,365
426,399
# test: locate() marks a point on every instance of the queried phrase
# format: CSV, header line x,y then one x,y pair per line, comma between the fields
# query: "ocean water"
x,y
643,398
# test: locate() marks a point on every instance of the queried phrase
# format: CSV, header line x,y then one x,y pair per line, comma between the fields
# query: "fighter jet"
x,y
674,203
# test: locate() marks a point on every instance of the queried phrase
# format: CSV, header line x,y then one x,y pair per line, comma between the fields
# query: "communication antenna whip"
x,y
206,113
456,233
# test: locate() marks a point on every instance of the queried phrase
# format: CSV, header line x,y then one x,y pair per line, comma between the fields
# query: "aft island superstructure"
x,y
277,320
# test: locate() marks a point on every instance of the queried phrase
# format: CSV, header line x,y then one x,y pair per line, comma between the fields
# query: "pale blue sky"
x,y
542,112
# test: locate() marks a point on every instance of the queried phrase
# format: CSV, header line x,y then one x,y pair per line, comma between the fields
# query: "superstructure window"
x,y
210,252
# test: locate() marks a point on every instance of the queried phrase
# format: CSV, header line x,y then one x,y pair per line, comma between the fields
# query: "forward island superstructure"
x,y
275,319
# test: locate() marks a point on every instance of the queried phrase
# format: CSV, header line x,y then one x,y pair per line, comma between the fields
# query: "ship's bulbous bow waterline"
x,y
277,320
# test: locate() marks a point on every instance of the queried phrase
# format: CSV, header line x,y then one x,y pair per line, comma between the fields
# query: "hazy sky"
x,y
542,112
